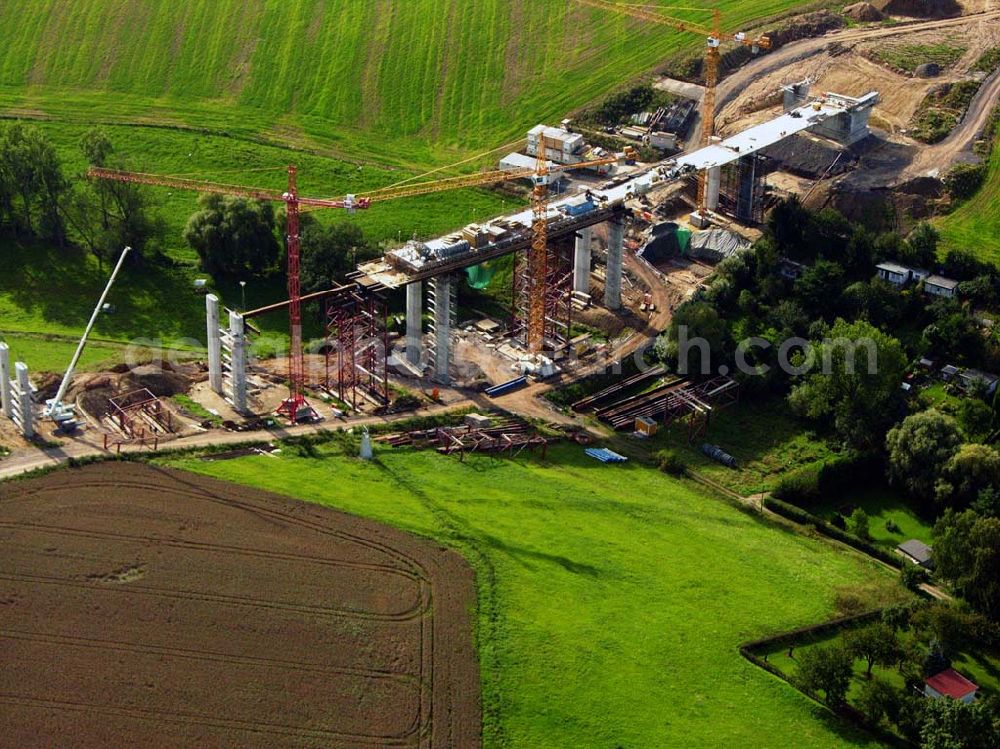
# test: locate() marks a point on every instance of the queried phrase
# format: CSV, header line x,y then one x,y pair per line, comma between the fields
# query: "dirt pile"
x,y
160,382
93,390
804,27
812,158
928,70
919,8
864,13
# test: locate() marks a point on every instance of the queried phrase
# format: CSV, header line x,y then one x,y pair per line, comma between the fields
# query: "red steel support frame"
x,y
355,323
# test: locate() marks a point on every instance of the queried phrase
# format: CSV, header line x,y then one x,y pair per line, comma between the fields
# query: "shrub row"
x,y
795,636
804,517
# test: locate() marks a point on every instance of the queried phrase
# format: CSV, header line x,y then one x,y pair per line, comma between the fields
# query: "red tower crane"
x,y
296,401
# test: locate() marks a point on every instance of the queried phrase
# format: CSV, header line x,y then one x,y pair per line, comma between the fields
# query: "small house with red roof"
x,y
950,683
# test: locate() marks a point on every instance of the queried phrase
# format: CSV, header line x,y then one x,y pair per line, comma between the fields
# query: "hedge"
x,y
815,482
803,517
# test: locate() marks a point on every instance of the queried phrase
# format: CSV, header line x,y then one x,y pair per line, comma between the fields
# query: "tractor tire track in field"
x,y
195,719
411,678
200,655
246,601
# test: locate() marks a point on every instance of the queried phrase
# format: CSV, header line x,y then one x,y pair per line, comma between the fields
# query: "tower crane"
x,y
714,35
295,203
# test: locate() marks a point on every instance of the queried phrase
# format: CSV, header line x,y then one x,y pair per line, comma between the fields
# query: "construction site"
x,y
607,247
457,488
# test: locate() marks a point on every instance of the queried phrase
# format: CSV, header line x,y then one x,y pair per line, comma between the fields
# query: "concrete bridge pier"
x,y
23,416
713,185
5,380
616,251
581,261
214,343
441,296
414,322
238,361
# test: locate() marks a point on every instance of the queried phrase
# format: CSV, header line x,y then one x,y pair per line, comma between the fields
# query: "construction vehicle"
x,y
714,36
295,405
55,409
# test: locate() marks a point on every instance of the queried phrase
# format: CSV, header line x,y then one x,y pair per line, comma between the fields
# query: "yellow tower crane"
x,y
714,35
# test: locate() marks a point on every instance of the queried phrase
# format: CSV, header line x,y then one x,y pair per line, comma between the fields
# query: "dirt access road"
x,y
141,606
735,83
930,159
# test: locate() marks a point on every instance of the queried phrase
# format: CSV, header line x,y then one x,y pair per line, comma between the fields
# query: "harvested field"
x,y
141,606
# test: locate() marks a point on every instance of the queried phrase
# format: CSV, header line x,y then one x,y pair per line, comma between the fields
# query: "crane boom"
x,y
55,407
220,188
475,180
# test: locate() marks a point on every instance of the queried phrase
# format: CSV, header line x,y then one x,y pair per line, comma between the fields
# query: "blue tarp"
x,y
606,456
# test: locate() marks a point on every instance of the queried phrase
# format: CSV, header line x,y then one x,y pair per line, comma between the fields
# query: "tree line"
x,y
238,238
812,277
40,201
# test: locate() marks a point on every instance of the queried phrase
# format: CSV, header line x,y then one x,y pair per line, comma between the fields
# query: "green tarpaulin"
x,y
683,239
479,276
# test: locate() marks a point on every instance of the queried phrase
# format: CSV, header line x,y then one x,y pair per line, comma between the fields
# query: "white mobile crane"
x,y
55,409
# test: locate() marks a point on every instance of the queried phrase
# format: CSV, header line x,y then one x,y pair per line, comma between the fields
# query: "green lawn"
x,y
882,505
53,353
612,599
975,225
763,435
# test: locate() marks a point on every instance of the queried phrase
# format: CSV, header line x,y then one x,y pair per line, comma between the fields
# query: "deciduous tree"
x,y
827,669
234,237
919,449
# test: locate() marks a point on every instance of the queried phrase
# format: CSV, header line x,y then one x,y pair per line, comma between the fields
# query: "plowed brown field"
x,y
146,607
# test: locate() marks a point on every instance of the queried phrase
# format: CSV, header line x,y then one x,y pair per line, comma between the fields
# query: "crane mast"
x,y
296,365
714,37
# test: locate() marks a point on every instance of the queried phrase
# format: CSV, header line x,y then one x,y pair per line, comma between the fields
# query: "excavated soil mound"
x,y
919,8
928,70
152,608
160,382
864,12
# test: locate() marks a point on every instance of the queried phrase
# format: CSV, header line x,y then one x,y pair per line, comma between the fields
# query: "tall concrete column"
x,y
581,261
442,301
616,249
24,386
414,321
238,365
5,379
214,343
713,184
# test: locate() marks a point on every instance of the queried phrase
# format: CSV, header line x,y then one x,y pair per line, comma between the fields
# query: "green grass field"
x,y
882,505
975,225
762,434
909,57
612,599
404,82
